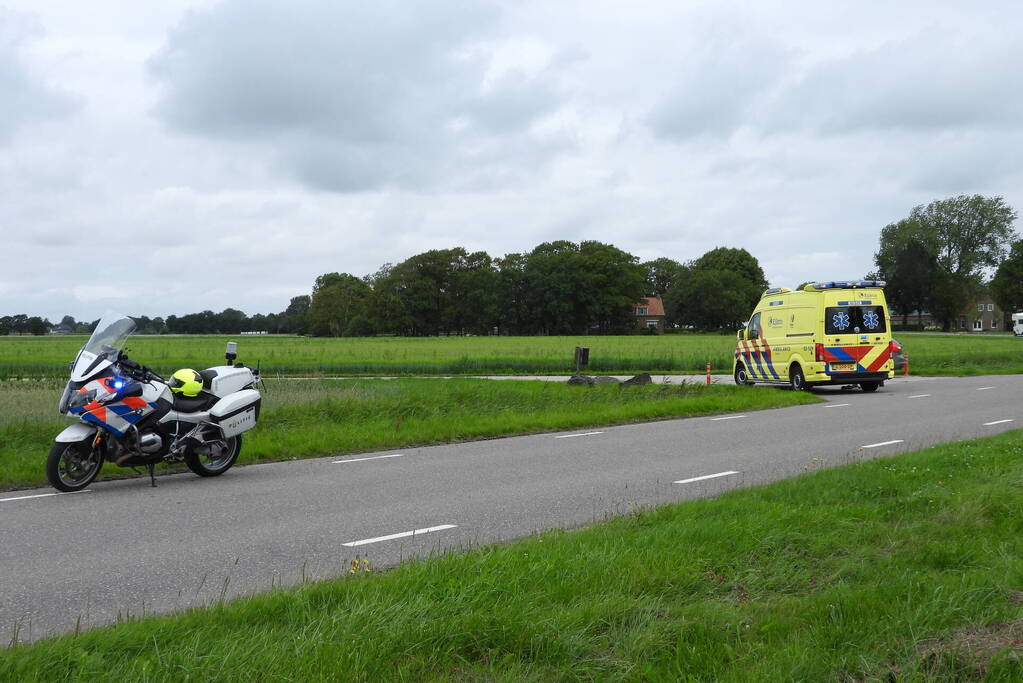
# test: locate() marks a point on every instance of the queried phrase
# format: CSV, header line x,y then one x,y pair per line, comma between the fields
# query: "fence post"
x,y
708,372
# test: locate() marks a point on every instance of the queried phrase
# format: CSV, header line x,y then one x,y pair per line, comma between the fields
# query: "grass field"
x,y
903,568
302,419
307,356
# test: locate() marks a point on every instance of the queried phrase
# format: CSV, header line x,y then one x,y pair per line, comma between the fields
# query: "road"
x,y
122,548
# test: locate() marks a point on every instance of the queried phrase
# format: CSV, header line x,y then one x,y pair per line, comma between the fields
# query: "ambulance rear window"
x,y
853,319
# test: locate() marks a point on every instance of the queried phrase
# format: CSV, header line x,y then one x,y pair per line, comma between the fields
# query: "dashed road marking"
x,y
706,476
883,443
920,396
375,457
727,417
984,388
837,405
403,534
996,422
572,436
41,495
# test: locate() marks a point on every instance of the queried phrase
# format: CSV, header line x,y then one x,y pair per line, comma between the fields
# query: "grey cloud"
x,y
351,95
935,80
719,88
24,98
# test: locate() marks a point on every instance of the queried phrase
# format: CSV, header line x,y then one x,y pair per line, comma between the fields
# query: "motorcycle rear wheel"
x,y
205,466
72,466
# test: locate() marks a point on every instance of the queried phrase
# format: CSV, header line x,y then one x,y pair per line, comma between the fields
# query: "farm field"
x,y
901,568
314,357
303,419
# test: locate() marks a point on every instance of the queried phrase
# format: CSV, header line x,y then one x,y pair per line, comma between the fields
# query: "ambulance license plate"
x,y
843,367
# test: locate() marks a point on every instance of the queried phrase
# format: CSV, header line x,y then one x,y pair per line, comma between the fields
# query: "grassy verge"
x,y
317,357
312,418
903,568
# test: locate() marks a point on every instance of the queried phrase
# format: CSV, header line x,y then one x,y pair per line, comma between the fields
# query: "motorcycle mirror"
x,y
232,352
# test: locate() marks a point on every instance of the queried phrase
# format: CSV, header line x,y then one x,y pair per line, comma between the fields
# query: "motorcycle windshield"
x,y
103,346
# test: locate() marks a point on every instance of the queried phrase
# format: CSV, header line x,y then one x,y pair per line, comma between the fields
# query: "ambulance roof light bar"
x,y
776,290
846,284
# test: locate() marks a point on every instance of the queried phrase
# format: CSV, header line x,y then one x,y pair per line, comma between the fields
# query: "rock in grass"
x,y
638,380
605,379
581,380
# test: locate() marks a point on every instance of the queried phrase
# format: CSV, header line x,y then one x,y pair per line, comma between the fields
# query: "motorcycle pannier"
x,y
236,413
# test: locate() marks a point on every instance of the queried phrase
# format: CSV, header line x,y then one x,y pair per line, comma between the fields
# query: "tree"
x,y
738,261
572,288
913,277
337,298
967,236
710,299
1007,284
749,286
660,273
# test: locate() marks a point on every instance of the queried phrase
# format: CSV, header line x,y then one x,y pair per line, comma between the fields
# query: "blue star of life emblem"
x,y
840,320
871,320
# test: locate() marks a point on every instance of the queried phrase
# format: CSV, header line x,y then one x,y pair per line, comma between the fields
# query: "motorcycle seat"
x,y
194,404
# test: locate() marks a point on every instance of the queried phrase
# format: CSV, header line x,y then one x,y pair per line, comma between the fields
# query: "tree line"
x,y
941,257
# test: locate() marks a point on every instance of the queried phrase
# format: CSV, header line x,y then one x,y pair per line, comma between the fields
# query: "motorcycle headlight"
x,y
79,400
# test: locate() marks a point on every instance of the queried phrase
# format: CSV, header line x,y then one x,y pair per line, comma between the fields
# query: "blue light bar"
x,y
849,284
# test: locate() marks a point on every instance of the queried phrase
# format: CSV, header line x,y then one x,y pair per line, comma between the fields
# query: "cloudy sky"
x,y
170,157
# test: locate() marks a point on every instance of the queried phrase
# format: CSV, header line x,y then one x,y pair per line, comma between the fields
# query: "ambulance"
x,y
824,333
1017,324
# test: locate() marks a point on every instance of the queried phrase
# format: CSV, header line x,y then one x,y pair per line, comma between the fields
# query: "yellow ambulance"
x,y
824,333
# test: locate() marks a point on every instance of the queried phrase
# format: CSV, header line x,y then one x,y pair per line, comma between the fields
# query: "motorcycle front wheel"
x,y
72,466
210,466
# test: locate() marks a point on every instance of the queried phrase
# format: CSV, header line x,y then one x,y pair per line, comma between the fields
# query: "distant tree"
x,y
336,299
738,261
38,326
575,288
660,273
1007,284
967,236
710,299
913,276
295,318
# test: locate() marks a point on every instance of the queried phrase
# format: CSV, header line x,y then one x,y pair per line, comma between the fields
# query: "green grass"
x,y
329,417
904,568
312,357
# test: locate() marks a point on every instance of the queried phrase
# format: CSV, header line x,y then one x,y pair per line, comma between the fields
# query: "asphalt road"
x,y
123,549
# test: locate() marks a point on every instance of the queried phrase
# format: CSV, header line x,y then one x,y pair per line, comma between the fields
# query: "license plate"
x,y
843,367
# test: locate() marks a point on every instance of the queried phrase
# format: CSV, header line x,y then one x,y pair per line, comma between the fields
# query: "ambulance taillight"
x,y
820,353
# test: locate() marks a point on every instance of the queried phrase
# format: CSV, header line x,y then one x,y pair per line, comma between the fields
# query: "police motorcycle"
x,y
132,417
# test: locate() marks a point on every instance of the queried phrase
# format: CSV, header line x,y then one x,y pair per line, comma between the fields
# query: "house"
x,y
983,315
650,314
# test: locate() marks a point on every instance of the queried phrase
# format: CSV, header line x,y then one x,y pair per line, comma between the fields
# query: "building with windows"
x,y
650,314
983,315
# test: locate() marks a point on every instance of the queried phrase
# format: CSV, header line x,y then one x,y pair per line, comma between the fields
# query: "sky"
x,y
166,158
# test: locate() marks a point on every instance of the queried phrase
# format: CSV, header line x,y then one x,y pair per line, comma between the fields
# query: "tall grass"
x,y
903,568
323,417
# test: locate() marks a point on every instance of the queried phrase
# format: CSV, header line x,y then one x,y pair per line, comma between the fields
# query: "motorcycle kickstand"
x,y
152,474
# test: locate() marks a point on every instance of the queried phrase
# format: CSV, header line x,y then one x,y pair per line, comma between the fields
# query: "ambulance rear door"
x,y
856,331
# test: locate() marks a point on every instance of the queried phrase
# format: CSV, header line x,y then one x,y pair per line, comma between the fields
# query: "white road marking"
x,y
883,443
375,457
836,405
920,396
706,476
727,417
984,388
996,422
403,534
42,495
572,436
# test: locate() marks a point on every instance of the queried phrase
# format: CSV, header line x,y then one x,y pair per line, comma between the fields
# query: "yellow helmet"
x,y
186,382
